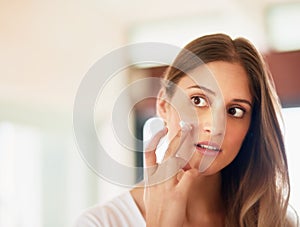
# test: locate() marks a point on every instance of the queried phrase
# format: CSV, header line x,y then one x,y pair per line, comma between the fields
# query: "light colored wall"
x,y
46,49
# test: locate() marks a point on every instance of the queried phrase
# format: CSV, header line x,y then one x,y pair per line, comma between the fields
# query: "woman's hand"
x,y
167,184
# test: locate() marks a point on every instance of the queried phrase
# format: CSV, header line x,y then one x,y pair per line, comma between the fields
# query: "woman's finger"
x,y
150,156
172,167
177,141
186,180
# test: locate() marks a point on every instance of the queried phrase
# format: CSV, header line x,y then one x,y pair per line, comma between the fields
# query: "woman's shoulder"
x,y
292,217
120,211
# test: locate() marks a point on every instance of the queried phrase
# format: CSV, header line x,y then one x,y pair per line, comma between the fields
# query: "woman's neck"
x,y
205,200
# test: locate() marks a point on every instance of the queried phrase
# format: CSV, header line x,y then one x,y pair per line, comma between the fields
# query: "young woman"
x,y
246,182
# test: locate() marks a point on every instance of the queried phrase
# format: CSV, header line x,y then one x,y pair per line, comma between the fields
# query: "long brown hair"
x,y
256,184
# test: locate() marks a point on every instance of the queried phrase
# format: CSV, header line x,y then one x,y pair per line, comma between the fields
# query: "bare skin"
x,y
184,204
191,198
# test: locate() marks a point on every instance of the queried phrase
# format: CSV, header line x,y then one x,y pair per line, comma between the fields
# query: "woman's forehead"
x,y
220,78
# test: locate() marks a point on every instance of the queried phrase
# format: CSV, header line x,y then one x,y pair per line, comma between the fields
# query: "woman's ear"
x,y
162,104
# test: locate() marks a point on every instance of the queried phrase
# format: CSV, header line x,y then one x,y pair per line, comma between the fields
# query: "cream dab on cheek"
x,y
185,126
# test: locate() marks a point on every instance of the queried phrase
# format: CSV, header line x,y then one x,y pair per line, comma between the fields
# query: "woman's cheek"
x,y
236,138
173,123
173,128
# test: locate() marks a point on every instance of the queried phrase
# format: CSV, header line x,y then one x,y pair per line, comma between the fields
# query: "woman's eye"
x,y
199,101
236,112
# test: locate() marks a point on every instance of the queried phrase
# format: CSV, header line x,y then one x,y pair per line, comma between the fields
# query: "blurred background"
x,y
46,48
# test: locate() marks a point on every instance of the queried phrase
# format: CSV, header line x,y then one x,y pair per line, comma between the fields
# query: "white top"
x,y
123,211
119,212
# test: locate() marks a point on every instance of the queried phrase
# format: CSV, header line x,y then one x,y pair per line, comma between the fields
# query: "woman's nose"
x,y
214,122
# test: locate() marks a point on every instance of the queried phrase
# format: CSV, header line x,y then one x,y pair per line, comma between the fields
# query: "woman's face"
x,y
223,112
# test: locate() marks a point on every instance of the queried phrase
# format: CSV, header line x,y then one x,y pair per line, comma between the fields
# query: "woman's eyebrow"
x,y
202,88
213,93
243,101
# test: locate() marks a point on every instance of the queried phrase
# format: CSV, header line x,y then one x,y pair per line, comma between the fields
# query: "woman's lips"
x,y
208,148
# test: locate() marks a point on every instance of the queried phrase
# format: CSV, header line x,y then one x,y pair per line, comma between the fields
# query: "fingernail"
x,y
165,129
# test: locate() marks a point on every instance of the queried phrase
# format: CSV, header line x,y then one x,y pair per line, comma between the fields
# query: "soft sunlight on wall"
x,y
283,26
43,182
20,176
292,125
